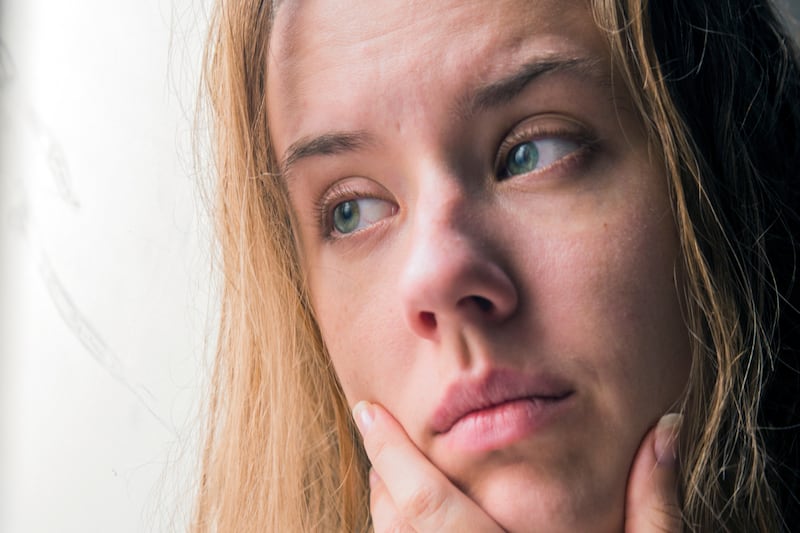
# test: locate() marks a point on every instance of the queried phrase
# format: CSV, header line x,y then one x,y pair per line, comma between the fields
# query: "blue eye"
x,y
357,214
346,216
522,158
536,154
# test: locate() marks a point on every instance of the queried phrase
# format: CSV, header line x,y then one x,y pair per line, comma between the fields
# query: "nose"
x,y
453,275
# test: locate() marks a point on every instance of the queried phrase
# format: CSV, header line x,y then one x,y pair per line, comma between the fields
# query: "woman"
x,y
513,235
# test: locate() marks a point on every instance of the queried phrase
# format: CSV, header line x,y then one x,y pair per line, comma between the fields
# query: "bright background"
x,y
106,300
106,295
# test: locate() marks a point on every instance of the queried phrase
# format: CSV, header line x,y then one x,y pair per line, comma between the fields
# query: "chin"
x,y
522,505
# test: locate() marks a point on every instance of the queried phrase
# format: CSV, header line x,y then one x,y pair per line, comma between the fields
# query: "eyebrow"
x,y
330,143
491,95
498,93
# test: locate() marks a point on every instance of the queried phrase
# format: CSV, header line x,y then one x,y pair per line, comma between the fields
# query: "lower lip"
x,y
502,425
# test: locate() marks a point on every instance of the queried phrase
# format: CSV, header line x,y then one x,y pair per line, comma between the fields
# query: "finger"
x,y
652,496
423,497
385,518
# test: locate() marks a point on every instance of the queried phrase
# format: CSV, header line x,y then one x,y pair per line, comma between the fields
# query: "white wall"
x,y
105,299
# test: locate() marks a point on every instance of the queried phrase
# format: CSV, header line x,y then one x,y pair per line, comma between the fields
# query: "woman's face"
x,y
487,239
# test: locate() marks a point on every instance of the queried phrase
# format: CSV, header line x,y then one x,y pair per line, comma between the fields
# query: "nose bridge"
x,y
441,211
440,247
452,274
441,238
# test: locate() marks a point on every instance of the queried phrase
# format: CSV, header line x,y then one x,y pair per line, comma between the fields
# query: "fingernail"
x,y
363,415
667,439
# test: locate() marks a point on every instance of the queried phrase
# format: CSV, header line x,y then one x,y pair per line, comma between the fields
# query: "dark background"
x,y
795,7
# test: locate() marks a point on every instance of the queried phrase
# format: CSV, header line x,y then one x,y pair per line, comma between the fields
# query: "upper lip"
x,y
494,388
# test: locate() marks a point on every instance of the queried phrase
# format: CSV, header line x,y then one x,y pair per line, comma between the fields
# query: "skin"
x,y
407,493
455,267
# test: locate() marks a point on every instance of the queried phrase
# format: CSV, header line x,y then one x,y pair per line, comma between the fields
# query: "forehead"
x,y
334,61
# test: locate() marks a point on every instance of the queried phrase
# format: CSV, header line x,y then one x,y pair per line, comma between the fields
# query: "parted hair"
x,y
717,85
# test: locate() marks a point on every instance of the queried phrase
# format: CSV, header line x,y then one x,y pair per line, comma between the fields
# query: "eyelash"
x,y
325,206
531,133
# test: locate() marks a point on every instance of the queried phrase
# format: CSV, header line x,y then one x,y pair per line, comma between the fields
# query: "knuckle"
x,y
399,526
668,518
424,503
376,450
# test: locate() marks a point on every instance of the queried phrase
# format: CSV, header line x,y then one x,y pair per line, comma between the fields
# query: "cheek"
x,y
618,295
623,319
604,307
355,315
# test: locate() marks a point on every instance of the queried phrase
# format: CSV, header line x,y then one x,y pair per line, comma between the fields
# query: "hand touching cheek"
x,y
408,493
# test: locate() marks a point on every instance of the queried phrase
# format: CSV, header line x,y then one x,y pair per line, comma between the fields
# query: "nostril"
x,y
483,304
428,319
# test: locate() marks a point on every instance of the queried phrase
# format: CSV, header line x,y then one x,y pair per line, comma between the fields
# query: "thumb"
x,y
652,497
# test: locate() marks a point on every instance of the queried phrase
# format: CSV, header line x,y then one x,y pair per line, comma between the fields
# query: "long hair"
x,y
718,87
280,452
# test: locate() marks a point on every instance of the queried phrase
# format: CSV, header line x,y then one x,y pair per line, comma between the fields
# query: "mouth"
x,y
499,409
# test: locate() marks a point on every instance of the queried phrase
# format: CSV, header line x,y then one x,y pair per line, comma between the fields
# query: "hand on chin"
x,y
408,493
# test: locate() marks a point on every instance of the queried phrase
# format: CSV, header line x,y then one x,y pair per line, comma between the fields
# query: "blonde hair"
x,y
281,452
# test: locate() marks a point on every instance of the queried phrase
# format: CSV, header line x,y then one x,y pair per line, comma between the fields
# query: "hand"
x,y
652,496
409,494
